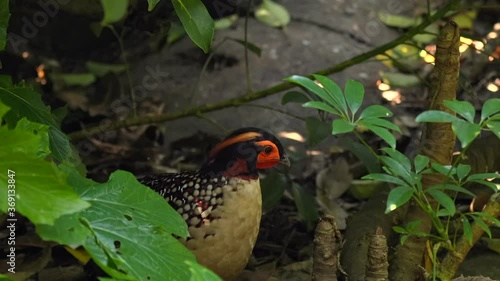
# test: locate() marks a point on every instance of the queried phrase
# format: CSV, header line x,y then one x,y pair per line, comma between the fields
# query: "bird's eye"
x,y
268,149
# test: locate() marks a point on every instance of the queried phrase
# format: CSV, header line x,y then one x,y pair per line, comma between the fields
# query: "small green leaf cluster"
x,y
465,128
125,227
345,105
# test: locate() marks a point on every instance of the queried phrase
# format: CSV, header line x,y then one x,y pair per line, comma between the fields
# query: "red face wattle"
x,y
269,156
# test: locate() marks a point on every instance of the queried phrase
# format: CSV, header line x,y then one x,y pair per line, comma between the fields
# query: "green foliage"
x,y
273,187
465,128
294,97
196,21
306,204
114,11
272,14
26,103
152,4
317,130
345,105
4,21
125,227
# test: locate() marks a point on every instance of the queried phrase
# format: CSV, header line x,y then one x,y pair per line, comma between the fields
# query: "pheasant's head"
x,y
244,152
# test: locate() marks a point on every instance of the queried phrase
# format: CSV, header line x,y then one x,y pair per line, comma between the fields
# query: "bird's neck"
x,y
232,169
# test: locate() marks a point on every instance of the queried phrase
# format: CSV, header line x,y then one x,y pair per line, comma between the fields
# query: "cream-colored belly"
x,y
224,245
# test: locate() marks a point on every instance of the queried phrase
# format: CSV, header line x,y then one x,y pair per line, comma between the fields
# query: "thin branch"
x,y
143,120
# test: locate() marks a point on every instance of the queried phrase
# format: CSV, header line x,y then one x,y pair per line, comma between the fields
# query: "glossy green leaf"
x,y
451,187
481,224
443,199
294,97
399,229
5,277
248,45
466,132
113,11
317,130
175,32
403,239
226,22
443,169
137,220
272,14
152,4
399,21
490,107
200,273
485,216
463,171
398,169
494,126
24,102
321,106
354,93
462,108
483,176
314,88
398,156
398,197
36,178
272,187
362,153
4,22
334,93
374,111
75,79
467,229
436,116
491,185
196,21
385,178
66,230
101,69
306,204
420,162
383,133
400,80
380,123
341,126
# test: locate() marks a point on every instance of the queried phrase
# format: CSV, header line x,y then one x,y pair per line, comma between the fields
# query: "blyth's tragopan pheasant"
x,y
221,203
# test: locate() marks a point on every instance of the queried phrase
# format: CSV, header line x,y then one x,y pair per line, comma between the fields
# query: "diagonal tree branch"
x,y
143,120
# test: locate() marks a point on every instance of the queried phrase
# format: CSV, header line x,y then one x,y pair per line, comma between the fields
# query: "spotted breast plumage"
x,y
221,203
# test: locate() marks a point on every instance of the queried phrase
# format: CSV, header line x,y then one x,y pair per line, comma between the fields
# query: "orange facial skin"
x,y
269,156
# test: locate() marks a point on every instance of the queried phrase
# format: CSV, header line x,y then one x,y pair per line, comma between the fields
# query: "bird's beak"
x,y
285,161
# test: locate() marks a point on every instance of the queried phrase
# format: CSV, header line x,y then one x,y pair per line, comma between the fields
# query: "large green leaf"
x,y
420,162
436,116
306,204
113,11
494,126
4,22
24,102
380,123
462,108
67,230
272,14
132,224
273,187
317,130
334,93
330,97
41,191
466,132
451,187
383,133
399,157
385,178
354,93
152,4
341,126
398,197
490,107
196,21
294,96
375,111
445,201
321,106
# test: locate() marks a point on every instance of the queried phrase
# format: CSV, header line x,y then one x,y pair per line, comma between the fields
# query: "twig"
x,y
143,120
